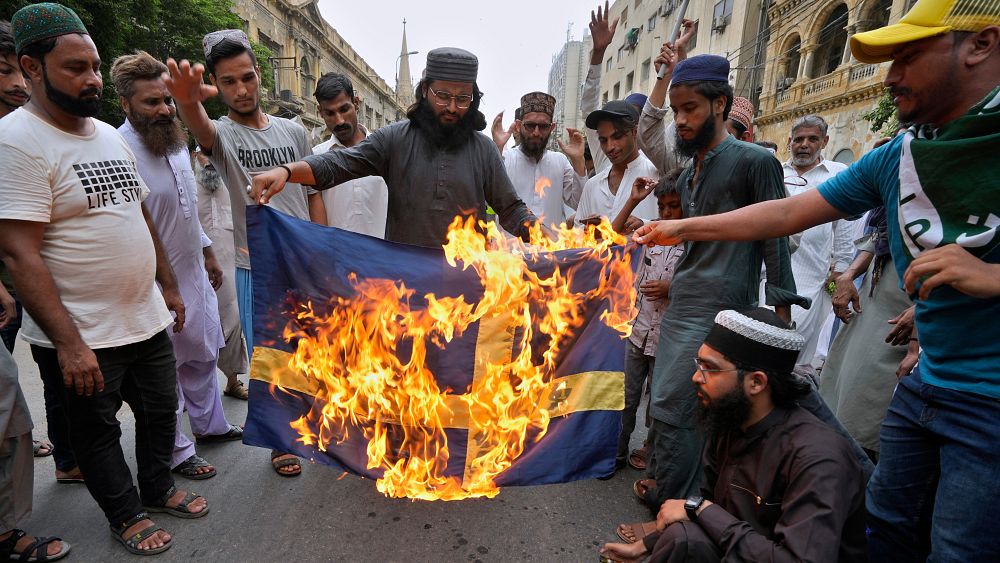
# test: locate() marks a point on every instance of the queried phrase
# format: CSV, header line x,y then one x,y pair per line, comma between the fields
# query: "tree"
x,y
883,117
163,28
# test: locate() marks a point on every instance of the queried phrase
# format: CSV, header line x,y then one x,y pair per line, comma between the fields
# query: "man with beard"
x,y
435,164
155,135
934,489
607,193
548,181
247,140
780,485
83,253
359,206
823,251
724,174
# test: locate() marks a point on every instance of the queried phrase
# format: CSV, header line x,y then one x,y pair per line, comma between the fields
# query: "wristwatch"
x,y
691,506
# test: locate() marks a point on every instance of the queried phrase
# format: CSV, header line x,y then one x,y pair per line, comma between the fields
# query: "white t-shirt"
x,y
96,244
597,199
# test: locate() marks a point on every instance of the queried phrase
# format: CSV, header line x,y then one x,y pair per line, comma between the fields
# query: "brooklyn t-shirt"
x,y
96,242
240,150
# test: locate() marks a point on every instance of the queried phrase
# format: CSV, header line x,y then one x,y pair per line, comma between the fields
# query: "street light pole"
x,y
397,70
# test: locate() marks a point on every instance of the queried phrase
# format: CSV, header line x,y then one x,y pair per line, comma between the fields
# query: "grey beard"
x,y
209,178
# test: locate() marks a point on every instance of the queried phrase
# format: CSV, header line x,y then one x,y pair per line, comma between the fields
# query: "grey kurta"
x,y
428,186
713,276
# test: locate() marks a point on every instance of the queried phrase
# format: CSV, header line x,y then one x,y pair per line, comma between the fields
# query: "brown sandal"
x,y
641,487
637,459
277,464
639,530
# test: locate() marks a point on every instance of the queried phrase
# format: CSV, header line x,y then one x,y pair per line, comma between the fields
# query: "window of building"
x,y
844,156
629,81
878,16
618,91
722,14
308,80
604,98
651,23
694,38
607,67
791,70
644,70
623,19
831,42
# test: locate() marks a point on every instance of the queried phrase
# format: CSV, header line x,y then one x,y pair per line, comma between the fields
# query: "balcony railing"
x,y
840,81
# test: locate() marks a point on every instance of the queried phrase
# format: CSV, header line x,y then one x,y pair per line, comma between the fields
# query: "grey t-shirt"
x,y
240,150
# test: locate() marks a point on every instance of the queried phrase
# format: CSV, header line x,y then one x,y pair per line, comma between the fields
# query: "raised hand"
x,y
186,83
576,146
641,188
600,31
673,53
501,135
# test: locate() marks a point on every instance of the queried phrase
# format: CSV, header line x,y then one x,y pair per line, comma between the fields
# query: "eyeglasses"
x,y
444,99
700,368
529,126
797,181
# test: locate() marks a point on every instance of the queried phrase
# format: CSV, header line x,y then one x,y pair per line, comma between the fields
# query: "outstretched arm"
x,y
186,85
765,220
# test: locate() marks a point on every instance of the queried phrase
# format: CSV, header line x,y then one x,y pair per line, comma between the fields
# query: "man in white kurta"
x,y
824,251
547,181
357,205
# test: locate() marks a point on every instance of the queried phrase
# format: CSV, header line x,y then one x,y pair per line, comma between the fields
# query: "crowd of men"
x,y
769,438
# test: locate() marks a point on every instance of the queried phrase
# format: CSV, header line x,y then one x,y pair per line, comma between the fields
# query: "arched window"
x,y
877,16
830,42
793,55
844,156
308,80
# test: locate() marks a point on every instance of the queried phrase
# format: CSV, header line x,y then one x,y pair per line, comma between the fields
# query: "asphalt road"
x,y
321,515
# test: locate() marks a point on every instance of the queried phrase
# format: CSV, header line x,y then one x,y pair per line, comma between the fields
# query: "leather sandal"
x,y
132,542
181,510
37,550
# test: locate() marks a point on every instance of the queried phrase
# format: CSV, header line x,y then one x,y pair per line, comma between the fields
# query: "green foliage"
x,y
883,117
163,28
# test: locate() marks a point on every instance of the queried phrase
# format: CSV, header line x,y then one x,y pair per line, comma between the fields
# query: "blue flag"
x,y
295,262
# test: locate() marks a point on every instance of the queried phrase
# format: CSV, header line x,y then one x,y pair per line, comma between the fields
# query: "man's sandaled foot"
x,y
631,533
234,433
73,476
624,552
16,545
637,459
642,487
236,390
195,468
142,536
181,504
41,448
286,465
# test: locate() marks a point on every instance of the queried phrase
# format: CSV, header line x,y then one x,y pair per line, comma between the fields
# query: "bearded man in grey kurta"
x,y
435,164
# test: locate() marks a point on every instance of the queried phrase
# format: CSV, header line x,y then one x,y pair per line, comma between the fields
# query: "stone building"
x,y
809,69
566,76
303,47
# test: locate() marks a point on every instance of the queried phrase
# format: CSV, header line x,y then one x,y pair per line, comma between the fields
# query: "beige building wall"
x,y
644,26
303,47
810,70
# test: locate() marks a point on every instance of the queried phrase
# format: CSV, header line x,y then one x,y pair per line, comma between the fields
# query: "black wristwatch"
x,y
691,506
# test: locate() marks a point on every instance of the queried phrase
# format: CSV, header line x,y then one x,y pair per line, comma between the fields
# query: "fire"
x,y
352,352
541,185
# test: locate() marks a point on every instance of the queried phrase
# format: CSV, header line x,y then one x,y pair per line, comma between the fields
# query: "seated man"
x,y
780,485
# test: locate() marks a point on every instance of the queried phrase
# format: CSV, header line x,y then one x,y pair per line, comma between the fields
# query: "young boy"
x,y
653,285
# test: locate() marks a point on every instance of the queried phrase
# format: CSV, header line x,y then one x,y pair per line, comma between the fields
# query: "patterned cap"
x,y
210,40
742,112
757,337
538,102
451,64
926,18
36,22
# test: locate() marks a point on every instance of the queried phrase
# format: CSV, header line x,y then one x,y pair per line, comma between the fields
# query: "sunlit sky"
x,y
514,40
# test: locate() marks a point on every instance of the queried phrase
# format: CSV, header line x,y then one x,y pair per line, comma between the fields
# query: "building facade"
x,y
566,76
734,29
810,69
304,46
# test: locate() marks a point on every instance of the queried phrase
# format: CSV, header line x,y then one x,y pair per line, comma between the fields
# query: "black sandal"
x,y
181,510
37,550
190,466
234,433
132,542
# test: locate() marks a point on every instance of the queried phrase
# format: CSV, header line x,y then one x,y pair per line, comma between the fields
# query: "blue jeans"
x,y
937,483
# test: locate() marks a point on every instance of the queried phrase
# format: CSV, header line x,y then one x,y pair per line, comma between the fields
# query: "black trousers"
x,y
682,542
143,375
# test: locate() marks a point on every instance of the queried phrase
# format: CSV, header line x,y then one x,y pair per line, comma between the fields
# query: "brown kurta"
x,y
789,489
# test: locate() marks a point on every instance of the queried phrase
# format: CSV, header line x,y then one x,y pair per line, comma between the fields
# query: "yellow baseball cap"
x,y
926,19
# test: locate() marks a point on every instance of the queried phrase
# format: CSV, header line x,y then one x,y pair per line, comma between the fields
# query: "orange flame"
x,y
352,354
541,185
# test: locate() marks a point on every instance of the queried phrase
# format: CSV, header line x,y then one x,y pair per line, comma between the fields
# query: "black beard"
x,y
533,152
73,105
727,413
159,138
701,139
444,136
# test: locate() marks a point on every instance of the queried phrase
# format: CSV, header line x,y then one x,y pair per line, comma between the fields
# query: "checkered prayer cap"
x,y
742,112
757,338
